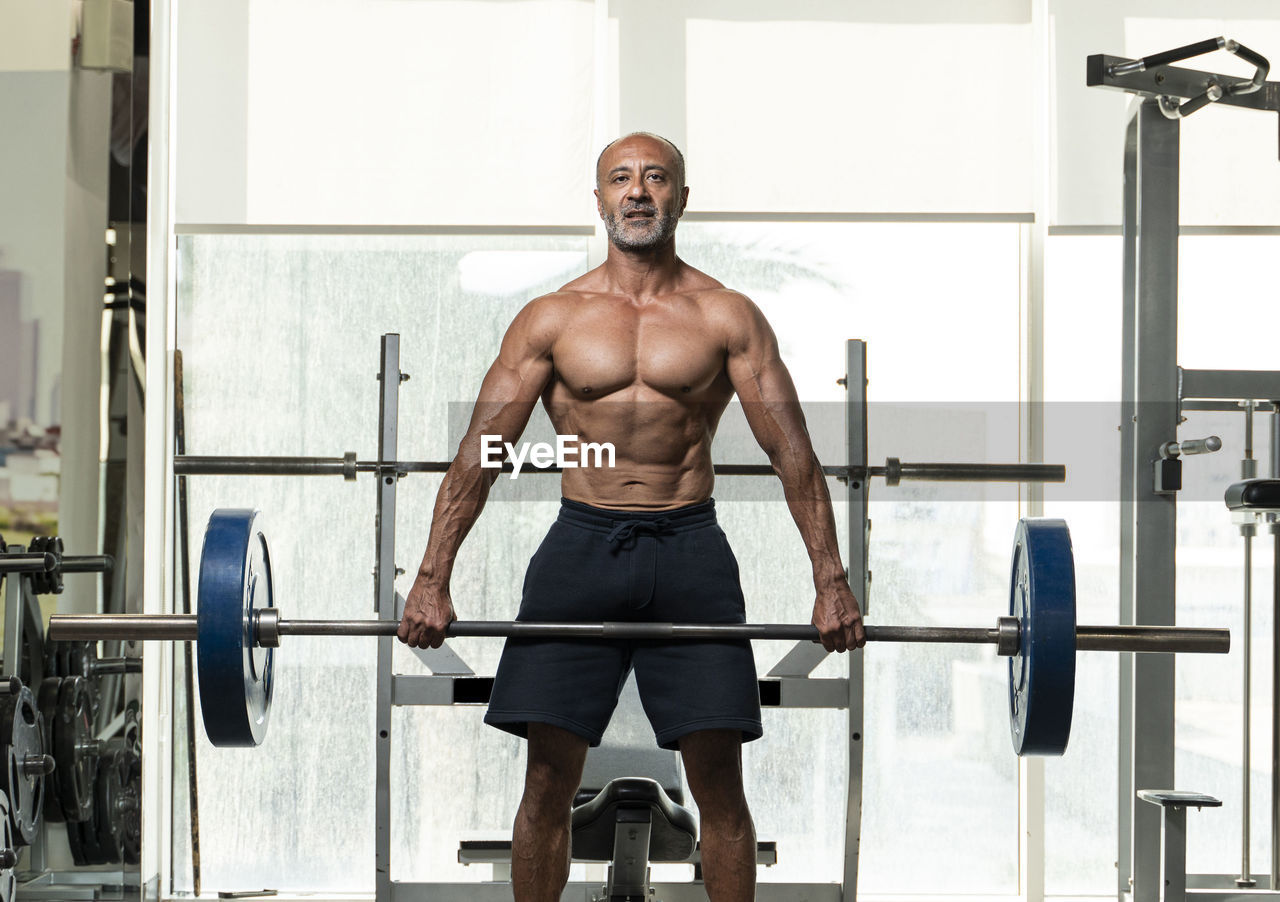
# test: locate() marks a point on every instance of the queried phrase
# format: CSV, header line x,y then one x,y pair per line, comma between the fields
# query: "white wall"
x,y
53,217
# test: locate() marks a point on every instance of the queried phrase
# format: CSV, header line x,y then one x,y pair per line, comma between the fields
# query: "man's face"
x,y
638,195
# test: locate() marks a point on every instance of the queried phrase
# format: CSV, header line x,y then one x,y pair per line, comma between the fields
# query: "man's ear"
x,y
599,205
684,198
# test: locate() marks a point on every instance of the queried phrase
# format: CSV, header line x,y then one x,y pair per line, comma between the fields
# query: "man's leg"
x,y
713,764
540,840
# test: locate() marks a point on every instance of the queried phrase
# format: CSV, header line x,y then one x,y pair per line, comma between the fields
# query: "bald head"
x,y
676,157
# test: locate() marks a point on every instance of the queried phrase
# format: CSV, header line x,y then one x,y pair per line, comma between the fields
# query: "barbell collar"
x,y
1008,636
267,627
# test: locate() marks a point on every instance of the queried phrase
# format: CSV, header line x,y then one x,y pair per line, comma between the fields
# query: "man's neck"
x,y
643,274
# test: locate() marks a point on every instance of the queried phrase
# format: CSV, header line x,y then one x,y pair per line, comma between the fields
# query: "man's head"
x,y
640,190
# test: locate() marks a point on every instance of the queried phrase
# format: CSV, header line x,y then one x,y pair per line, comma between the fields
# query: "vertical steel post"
x,y
1173,861
1248,470
1152,397
860,582
1128,416
389,378
1275,661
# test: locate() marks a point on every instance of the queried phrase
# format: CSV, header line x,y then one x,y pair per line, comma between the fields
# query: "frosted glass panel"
x,y
1082,364
926,298
842,107
279,336
1209,692
351,111
1082,383
1229,300
280,342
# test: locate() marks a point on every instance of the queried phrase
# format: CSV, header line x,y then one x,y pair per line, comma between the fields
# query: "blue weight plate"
x,y
1042,675
235,675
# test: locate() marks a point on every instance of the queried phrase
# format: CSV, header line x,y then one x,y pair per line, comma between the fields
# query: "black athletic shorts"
x,y
661,566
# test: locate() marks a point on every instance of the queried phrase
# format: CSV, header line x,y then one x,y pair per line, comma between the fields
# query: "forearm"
x,y
809,501
461,498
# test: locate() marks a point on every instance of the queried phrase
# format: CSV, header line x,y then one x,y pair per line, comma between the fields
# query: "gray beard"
x,y
657,231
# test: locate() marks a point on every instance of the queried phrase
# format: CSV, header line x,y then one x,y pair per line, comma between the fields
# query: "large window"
x,y
444,148
1217,330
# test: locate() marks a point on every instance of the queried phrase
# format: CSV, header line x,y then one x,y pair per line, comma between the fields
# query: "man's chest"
x,y
671,351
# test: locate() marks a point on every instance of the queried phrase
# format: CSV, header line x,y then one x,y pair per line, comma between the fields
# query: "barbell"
x,y
237,628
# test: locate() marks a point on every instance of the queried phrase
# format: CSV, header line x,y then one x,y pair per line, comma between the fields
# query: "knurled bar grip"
x,y
182,627
1186,52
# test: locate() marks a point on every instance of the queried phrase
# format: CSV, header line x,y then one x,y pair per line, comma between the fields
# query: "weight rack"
x,y
787,684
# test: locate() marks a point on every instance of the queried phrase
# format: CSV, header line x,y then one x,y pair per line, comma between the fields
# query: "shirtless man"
x,y
644,352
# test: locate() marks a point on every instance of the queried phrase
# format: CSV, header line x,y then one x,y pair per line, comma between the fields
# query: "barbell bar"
x,y
268,628
48,562
894,470
238,626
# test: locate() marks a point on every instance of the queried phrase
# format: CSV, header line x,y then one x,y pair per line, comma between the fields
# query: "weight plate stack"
x,y
81,658
47,701
131,806
31,667
8,855
43,582
48,582
110,803
23,740
74,749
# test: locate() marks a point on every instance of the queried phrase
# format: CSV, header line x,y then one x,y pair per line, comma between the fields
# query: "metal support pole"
x,y
1275,662
389,378
1173,854
1248,470
1245,879
1150,394
1128,416
860,581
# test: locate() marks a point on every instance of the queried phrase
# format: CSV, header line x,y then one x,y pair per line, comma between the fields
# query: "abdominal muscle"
x,y
662,450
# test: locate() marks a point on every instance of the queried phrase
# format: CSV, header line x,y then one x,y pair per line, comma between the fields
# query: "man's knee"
x,y
713,764
555,762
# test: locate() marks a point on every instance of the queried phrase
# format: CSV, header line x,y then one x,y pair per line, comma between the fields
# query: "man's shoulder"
x,y
722,301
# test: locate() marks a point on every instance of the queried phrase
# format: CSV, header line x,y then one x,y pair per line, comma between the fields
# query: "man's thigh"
x,y
686,687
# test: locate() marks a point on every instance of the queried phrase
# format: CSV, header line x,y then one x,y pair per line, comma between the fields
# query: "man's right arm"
x,y
507,397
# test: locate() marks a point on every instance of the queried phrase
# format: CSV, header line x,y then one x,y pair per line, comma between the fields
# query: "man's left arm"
x,y
773,412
